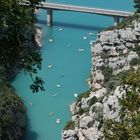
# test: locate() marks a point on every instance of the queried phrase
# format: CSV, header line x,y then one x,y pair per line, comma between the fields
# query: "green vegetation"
x,y
126,22
107,72
104,55
18,49
81,111
79,98
92,101
135,61
70,125
137,49
137,5
12,114
83,95
128,127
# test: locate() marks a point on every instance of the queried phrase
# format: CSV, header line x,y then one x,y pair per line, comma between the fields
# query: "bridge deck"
x,y
55,6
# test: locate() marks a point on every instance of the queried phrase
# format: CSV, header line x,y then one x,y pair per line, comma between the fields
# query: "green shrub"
x,y
104,55
126,22
128,127
137,49
107,72
70,125
12,114
82,111
137,5
135,61
92,101
83,95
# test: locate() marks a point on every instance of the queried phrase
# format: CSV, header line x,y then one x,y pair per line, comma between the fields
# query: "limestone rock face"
x,y
131,56
111,106
69,135
85,121
115,50
98,79
38,37
97,49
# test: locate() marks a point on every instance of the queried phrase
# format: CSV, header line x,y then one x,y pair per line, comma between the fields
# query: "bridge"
x,y
116,14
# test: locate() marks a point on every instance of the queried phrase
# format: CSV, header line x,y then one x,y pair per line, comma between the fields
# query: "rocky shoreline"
x,y
38,36
115,51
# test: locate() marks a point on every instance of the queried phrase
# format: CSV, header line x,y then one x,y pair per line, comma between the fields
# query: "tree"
x,y
137,5
18,48
12,114
128,127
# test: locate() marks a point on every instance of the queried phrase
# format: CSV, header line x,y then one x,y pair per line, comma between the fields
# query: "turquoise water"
x,y
70,68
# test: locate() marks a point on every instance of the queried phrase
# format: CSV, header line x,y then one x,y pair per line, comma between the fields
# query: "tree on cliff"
x,y
17,49
128,126
137,5
12,114
17,41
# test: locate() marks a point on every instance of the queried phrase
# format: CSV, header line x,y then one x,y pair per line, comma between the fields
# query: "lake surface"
x,y
70,67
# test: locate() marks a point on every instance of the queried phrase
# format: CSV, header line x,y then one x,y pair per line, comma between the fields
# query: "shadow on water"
x,y
29,134
72,25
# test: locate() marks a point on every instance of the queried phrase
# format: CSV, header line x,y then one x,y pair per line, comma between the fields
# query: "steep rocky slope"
x,y
12,114
115,52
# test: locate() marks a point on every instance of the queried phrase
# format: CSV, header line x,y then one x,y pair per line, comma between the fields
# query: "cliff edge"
x,y
101,112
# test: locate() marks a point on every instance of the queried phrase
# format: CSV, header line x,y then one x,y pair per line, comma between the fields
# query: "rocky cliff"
x,y
115,52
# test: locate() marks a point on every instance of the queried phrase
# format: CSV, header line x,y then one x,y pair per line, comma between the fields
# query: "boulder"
x,y
85,121
69,135
131,56
97,49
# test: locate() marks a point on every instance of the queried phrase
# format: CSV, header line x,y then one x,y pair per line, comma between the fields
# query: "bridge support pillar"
x,y
49,17
116,20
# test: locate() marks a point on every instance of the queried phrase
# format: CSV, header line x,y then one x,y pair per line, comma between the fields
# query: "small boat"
x,y
91,33
57,120
58,85
80,50
50,40
55,94
84,37
50,66
91,42
75,95
60,29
